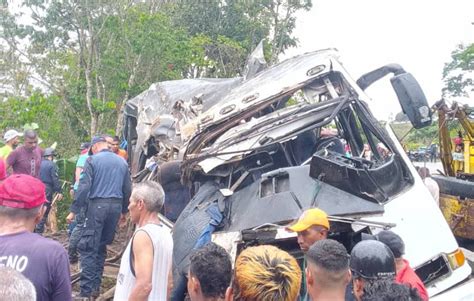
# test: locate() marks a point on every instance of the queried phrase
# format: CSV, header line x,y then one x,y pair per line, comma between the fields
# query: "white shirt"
x,y
162,258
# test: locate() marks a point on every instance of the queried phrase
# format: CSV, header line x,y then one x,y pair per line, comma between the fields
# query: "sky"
x,y
417,34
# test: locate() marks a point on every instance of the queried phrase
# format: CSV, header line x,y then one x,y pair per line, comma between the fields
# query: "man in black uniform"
x,y
49,177
104,190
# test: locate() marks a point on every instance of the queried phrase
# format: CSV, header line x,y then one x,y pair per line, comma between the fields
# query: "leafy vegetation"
x,y
72,65
458,74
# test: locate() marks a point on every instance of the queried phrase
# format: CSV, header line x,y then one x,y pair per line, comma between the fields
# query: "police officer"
x,y
105,189
371,264
49,177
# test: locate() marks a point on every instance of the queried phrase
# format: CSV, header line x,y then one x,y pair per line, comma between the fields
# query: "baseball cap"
x,y
392,240
310,217
95,140
10,134
22,191
85,145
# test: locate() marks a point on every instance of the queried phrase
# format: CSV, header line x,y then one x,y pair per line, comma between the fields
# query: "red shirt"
x,y
408,276
24,161
3,172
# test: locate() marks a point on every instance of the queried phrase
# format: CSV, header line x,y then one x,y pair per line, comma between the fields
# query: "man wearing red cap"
x,y
43,261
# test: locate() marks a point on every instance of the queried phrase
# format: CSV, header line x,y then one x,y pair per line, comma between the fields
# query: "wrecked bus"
x,y
255,152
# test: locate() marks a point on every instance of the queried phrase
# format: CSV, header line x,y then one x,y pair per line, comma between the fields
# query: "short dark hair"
x,y
211,265
329,255
30,134
116,138
387,290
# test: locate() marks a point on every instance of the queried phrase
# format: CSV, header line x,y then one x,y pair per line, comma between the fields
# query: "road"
x,y
433,167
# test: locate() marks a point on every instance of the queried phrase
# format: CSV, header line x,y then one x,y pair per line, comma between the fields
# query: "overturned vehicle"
x,y
265,147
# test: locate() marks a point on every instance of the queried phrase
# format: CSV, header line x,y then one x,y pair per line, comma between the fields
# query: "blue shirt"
x,y
81,161
105,176
49,175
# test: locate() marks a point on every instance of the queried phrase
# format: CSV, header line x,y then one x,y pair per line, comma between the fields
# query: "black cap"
x,y
373,260
85,145
391,239
95,140
49,152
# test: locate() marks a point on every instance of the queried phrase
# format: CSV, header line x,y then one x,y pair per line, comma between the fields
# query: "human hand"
x,y
70,217
328,132
123,220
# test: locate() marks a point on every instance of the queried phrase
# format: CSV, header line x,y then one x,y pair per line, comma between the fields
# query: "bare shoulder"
x,y
141,241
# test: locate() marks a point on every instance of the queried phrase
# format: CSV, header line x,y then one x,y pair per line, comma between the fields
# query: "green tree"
x,y
98,54
41,110
142,48
458,74
234,28
16,69
93,56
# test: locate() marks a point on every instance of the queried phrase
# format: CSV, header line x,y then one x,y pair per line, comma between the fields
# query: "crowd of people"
x,y
104,198
374,270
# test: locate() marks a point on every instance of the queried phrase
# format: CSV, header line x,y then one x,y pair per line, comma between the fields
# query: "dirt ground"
x,y
112,264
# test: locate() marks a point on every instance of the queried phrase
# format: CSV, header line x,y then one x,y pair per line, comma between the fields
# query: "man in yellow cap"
x,y
313,225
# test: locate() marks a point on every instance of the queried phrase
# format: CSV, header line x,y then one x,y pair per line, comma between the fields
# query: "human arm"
x,y
125,155
81,161
143,266
77,174
169,288
84,188
10,161
126,191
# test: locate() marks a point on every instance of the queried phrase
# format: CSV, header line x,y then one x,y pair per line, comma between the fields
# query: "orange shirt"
x,y
122,153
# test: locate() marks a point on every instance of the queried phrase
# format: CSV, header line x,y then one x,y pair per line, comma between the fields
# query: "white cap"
x,y
10,134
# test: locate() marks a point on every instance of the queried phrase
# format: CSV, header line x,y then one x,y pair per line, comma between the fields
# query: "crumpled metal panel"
x,y
159,99
192,222
287,199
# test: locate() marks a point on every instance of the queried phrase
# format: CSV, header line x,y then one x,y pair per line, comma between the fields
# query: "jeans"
x,y
179,287
75,232
102,217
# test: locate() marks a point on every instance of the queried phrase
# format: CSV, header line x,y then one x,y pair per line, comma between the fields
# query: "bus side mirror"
x,y
412,100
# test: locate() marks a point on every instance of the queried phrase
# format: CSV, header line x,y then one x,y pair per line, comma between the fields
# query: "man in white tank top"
x,y
145,269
